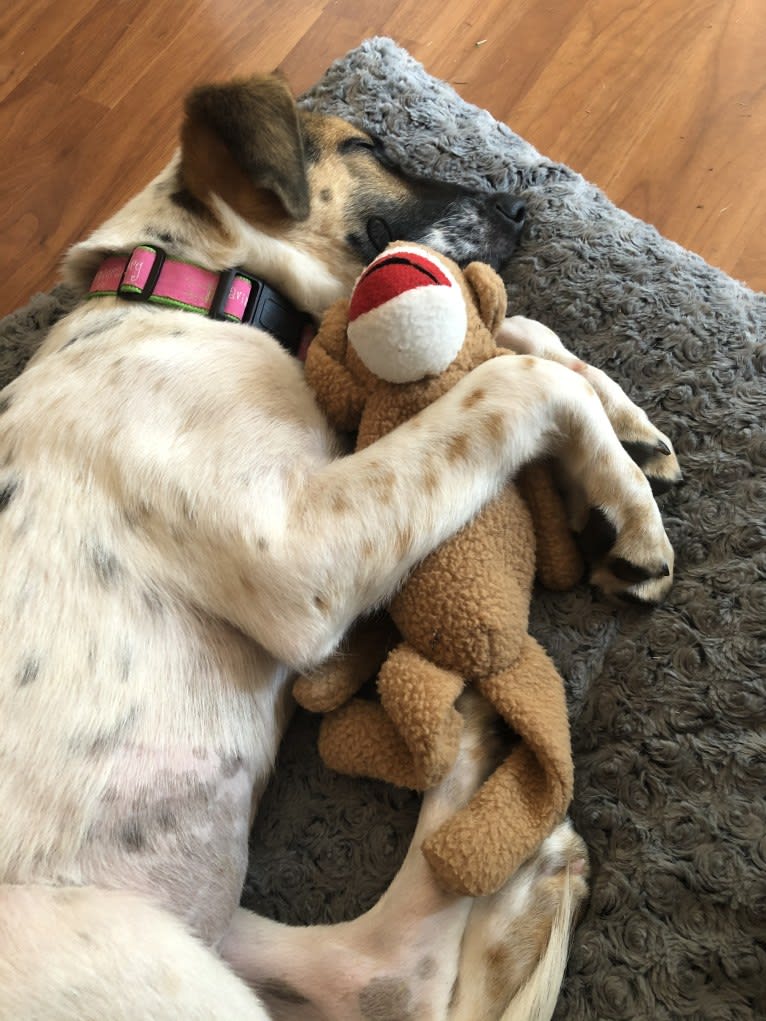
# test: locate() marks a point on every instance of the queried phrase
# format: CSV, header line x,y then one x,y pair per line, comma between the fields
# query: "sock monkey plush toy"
x,y
414,326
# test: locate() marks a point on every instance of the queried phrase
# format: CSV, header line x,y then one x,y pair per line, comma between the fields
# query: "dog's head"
x,y
321,187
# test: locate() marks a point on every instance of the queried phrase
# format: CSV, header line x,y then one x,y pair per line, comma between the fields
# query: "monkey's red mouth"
x,y
392,275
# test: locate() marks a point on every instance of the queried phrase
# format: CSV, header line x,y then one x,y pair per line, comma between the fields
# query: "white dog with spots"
x,y
172,552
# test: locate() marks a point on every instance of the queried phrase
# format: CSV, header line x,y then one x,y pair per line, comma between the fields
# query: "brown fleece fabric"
x,y
461,617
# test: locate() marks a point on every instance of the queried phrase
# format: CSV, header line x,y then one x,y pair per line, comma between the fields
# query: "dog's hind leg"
x,y
86,954
397,961
405,959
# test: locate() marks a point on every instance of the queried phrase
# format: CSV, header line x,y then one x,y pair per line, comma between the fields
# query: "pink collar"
x,y
233,295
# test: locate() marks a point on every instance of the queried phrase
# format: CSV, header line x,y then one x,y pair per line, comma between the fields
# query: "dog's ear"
x,y
489,293
243,141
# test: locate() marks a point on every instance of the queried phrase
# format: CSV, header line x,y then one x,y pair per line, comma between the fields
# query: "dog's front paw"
x,y
651,450
633,563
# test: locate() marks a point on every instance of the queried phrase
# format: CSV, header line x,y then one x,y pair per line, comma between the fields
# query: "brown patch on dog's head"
x,y
355,191
321,185
247,142
243,141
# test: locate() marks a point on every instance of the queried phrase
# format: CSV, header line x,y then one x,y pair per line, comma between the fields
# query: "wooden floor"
x,y
660,102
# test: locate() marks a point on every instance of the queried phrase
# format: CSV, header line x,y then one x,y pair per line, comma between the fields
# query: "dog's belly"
x,y
139,776
175,830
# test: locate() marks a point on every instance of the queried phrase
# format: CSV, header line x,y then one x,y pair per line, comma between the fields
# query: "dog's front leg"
x,y
337,537
377,513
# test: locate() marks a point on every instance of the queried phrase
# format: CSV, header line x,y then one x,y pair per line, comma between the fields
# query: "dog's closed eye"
x,y
358,143
379,233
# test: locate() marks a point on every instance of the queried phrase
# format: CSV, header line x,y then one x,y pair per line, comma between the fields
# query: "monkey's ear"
x,y
242,141
489,293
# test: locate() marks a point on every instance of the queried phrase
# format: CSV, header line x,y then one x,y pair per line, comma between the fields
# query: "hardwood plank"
x,y
78,54
29,31
38,126
339,28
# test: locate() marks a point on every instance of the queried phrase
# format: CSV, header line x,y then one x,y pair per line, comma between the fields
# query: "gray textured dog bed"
x,y
668,708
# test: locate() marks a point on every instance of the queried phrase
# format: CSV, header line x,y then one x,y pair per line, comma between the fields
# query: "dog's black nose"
x,y
511,208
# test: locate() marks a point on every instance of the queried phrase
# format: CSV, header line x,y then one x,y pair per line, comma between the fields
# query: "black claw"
x,y
661,486
626,571
598,535
633,600
663,447
641,452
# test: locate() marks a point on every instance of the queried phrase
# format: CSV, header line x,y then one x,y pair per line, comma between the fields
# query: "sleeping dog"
x,y
179,533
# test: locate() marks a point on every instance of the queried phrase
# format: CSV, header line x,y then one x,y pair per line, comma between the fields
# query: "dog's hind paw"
x,y
514,950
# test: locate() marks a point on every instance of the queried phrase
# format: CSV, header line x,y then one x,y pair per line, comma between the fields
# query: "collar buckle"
x,y
223,288
265,308
129,288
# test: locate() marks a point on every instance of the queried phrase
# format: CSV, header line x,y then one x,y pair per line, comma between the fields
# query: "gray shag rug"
x,y
668,708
